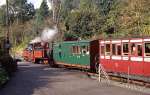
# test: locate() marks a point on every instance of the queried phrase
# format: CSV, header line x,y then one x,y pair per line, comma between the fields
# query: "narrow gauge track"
x,y
114,80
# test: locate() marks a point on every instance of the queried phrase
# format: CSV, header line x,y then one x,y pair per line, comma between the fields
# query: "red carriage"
x,y
126,57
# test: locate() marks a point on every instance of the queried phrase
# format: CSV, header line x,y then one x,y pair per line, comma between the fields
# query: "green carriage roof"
x,y
81,41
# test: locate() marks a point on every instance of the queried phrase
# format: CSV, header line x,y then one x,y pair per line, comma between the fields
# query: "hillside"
x,y
84,19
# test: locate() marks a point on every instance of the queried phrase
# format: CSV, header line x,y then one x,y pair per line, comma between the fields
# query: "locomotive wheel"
x,y
38,61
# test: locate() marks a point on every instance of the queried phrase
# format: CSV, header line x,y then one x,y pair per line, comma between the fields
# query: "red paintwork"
x,y
38,52
133,67
141,68
25,54
146,68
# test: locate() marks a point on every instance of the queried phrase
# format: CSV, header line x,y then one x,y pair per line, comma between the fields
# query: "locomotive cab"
x,y
36,52
40,52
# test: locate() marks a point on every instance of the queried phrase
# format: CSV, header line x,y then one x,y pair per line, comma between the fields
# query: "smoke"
x,y
49,34
37,39
46,36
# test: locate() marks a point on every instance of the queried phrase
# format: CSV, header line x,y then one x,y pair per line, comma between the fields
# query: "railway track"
x,y
123,82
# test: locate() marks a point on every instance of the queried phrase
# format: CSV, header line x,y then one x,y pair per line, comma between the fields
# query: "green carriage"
x,y
76,53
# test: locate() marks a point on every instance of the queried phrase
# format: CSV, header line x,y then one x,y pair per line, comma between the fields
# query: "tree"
x,y
104,6
66,7
44,9
2,16
41,14
86,4
84,22
22,10
129,17
38,21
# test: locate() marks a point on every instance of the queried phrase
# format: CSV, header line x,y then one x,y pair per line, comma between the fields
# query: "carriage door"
x,y
136,66
147,58
60,52
84,56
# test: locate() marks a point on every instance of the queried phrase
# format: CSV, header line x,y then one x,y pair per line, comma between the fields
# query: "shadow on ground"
x,y
36,79
31,77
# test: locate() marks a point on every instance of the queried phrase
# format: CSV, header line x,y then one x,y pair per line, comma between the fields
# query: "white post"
x,y
128,74
99,72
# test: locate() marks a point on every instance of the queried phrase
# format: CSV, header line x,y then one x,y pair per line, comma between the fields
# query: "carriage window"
x,y
102,50
78,50
113,49
107,49
125,49
133,49
30,47
38,46
147,49
85,49
74,50
59,46
139,50
118,49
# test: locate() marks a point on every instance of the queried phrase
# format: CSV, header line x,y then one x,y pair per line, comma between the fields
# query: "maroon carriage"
x,y
126,57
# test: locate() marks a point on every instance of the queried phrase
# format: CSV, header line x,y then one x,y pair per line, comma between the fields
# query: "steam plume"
x,y
49,34
46,36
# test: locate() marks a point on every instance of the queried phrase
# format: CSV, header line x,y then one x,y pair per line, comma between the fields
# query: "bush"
x,y
8,63
3,76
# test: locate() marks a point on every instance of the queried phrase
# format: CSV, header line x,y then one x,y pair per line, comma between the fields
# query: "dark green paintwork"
x,y
63,53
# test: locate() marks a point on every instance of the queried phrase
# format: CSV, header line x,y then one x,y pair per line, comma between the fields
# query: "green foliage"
x,y
28,12
130,17
86,4
18,3
3,76
79,18
104,6
85,22
25,11
41,14
44,9
70,36
109,18
66,7
2,16
39,19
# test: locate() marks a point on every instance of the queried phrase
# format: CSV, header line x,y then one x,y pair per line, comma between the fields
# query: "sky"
x,y
36,3
2,2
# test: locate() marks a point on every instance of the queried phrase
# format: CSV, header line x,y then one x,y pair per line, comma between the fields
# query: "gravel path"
x,y
36,79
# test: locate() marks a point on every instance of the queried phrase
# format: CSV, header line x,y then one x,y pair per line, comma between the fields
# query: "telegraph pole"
x,y
7,20
7,42
56,4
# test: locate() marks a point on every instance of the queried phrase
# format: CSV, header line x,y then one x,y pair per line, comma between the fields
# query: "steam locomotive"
x,y
119,57
36,52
